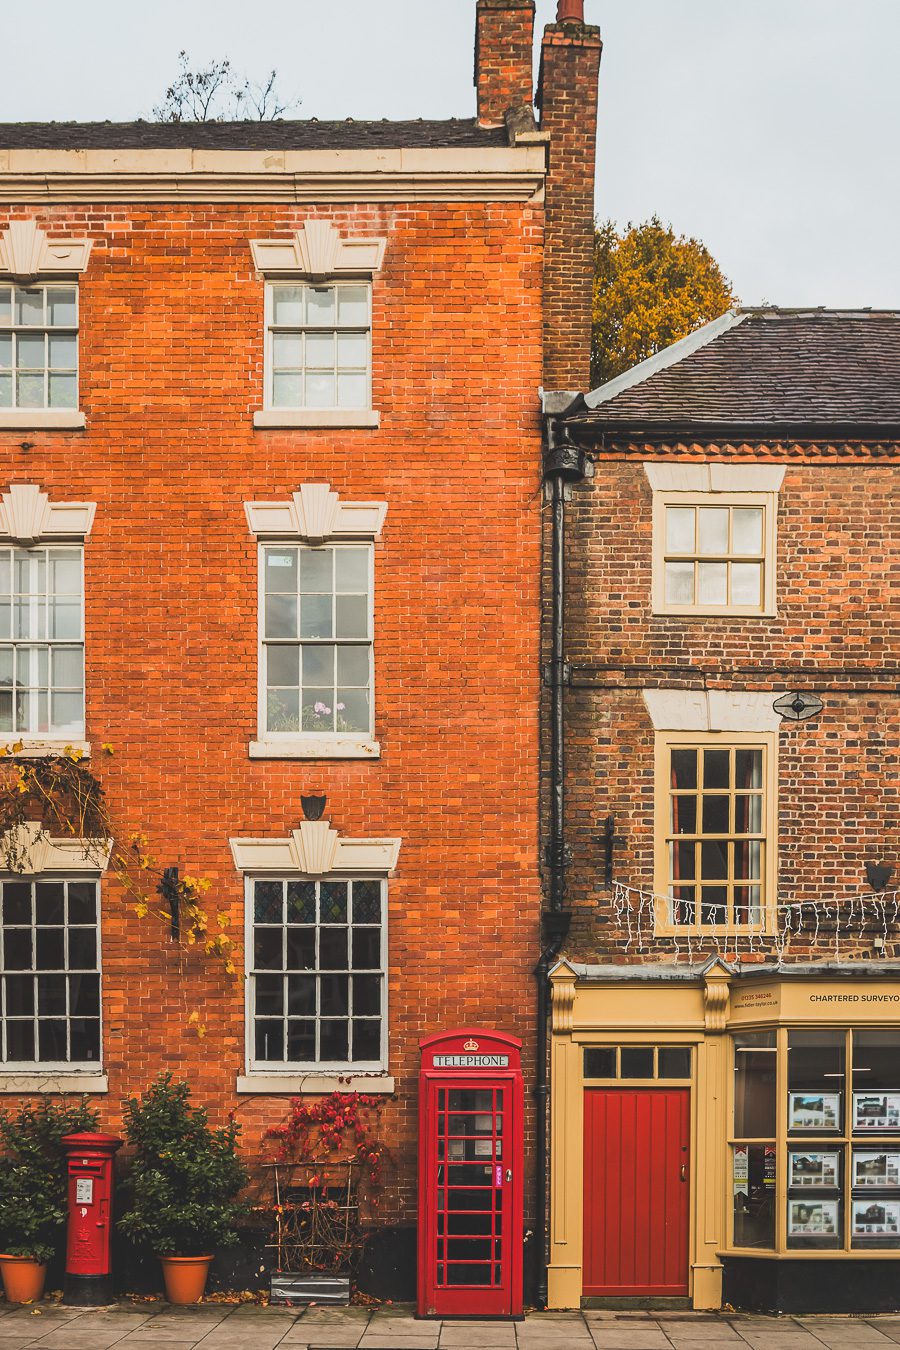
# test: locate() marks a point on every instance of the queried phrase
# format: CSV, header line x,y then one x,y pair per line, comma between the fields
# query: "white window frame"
x,y
715,485
315,515
312,742
330,283
51,736
46,331
38,1075
316,254
329,1069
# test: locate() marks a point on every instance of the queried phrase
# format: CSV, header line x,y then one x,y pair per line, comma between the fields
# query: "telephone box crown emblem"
x,y
470,1044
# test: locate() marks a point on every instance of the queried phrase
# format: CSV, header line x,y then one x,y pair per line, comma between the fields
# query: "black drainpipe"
x,y
564,463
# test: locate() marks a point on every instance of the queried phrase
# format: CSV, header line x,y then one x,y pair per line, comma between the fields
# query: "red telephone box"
x,y
470,1175
88,1256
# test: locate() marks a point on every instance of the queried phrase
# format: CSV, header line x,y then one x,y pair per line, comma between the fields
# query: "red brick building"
x,y
726,1011
271,528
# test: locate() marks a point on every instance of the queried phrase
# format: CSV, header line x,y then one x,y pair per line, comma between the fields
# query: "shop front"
x,y
726,1135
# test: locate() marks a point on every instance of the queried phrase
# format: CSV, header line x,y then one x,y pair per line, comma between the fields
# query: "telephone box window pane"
x,y
754,1085
600,1062
636,1062
674,1061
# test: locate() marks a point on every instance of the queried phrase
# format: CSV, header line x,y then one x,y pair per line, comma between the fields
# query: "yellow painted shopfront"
x,y
726,1136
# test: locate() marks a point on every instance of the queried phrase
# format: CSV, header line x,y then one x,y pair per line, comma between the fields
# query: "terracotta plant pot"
x,y
23,1278
185,1277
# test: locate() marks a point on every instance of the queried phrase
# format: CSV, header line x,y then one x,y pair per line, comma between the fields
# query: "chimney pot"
x,y
570,11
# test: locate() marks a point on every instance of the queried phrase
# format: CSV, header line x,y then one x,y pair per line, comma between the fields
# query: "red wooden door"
x,y
636,1190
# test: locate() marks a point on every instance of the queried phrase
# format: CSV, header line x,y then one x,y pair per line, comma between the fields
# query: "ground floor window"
x,y
816,1143
50,973
316,985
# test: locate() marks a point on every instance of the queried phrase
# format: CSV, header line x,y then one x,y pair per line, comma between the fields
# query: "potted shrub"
x,y
33,1184
325,1180
185,1177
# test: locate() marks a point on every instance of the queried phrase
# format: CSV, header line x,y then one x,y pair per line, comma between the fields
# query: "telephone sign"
x,y
470,1175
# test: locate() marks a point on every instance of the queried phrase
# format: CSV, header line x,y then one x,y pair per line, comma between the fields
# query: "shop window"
x,y
840,1149
753,1163
638,1061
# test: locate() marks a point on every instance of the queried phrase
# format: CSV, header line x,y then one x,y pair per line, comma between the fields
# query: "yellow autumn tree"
x,y
651,287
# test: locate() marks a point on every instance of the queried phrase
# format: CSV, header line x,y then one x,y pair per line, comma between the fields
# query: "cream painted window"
x,y
316,973
317,649
714,553
38,346
715,831
41,642
318,345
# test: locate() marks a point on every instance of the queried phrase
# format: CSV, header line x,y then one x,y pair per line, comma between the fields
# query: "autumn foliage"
x,y
651,287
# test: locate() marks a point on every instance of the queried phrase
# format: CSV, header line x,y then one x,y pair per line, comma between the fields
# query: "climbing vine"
x,y
58,796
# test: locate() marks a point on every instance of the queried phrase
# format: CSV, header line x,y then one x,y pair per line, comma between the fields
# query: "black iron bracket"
x,y
610,841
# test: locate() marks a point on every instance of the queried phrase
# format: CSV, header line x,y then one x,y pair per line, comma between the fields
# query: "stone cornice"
x,y
314,849
439,174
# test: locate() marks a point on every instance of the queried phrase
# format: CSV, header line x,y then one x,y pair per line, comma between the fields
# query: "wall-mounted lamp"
x,y
878,875
798,707
170,891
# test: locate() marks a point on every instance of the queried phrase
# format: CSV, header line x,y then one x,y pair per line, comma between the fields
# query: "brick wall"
x,y
835,634
171,352
504,34
567,96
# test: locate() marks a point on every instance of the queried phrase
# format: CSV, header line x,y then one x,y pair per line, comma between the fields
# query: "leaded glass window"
x,y
50,972
317,972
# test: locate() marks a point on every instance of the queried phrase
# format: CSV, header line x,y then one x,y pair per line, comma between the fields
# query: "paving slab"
x,y
629,1338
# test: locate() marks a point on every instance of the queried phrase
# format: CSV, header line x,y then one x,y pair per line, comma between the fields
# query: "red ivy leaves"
x,y
338,1122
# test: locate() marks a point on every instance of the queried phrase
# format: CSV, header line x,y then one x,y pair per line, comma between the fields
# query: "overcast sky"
x,y
767,128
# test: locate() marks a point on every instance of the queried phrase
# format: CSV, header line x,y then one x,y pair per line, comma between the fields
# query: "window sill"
x,y
272,1084
317,417
317,747
44,419
43,748
53,1081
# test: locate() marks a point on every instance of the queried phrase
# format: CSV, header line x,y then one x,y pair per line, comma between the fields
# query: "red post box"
x,y
470,1175
88,1255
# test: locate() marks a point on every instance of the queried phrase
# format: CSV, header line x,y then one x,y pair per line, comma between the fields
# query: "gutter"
x,y
563,464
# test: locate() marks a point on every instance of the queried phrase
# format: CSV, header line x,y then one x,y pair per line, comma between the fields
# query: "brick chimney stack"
x,y
504,34
567,98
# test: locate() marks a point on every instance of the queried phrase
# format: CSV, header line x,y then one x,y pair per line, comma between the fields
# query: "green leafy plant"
x,y
33,1175
185,1176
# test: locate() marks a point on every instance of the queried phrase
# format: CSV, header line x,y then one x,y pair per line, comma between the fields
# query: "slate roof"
x,y
310,134
762,368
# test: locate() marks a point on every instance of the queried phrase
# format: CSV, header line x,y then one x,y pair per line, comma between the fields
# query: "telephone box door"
x,y
470,1199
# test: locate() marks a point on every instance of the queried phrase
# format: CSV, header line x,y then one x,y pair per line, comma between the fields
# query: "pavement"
x,y
159,1326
